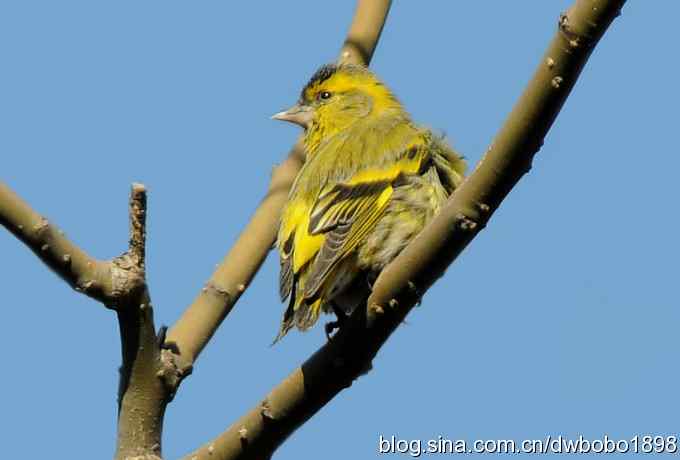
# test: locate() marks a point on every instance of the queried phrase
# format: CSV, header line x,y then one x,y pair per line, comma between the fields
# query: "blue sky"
x,y
560,318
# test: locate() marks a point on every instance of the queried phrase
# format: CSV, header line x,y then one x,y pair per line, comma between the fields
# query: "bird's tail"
x,y
302,314
302,311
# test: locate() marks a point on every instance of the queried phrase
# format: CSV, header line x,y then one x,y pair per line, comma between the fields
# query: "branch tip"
x,y
484,208
137,247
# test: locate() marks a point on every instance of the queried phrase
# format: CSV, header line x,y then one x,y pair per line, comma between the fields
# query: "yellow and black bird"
x,y
371,181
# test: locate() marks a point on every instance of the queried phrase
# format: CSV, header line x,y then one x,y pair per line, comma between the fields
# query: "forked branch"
x,y
120,284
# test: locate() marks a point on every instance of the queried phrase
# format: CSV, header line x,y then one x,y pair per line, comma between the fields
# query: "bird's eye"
x,y
324,95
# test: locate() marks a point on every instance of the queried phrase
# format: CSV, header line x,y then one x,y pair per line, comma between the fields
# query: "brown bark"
x,y
120,285
82,272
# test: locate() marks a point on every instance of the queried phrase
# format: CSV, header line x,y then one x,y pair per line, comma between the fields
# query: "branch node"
x,y
556,82
243,437
66,258
484,208
170,372
550,62
573,38
45,247
266,410
394,303
377,309
212,287
563,22
41,226
466,224
127,277
86,286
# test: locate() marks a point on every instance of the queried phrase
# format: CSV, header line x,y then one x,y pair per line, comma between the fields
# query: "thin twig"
x,y
137,247
119,284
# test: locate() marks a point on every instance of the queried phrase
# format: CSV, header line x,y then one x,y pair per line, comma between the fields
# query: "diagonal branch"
x,y
82,272
338,363
507,159
191,333
364,32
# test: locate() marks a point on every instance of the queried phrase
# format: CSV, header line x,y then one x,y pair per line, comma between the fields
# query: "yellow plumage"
x,y
371,181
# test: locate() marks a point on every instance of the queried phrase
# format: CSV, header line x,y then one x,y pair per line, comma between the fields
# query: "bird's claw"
x,y
338,323
329,327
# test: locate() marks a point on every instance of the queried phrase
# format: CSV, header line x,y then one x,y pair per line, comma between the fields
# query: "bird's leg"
x,y
337,324
370,279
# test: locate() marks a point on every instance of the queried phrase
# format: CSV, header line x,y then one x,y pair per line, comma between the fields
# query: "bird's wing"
x,y
347,212
286,275
296,246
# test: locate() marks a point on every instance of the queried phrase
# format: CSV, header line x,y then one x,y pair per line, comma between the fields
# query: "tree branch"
x,y
143,393
349,354
364,32
200,320
82,272
190,334
507,159
120,285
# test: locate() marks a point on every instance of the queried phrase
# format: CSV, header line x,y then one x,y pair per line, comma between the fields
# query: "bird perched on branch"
x,y
371,181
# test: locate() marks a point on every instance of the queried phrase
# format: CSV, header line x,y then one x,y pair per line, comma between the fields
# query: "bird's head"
x,y
336,96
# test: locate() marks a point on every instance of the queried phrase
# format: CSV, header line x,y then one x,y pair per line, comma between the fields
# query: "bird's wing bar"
x,y
342,204
345,214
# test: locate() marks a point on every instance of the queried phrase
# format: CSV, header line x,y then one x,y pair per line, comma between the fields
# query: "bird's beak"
x,y
299,114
